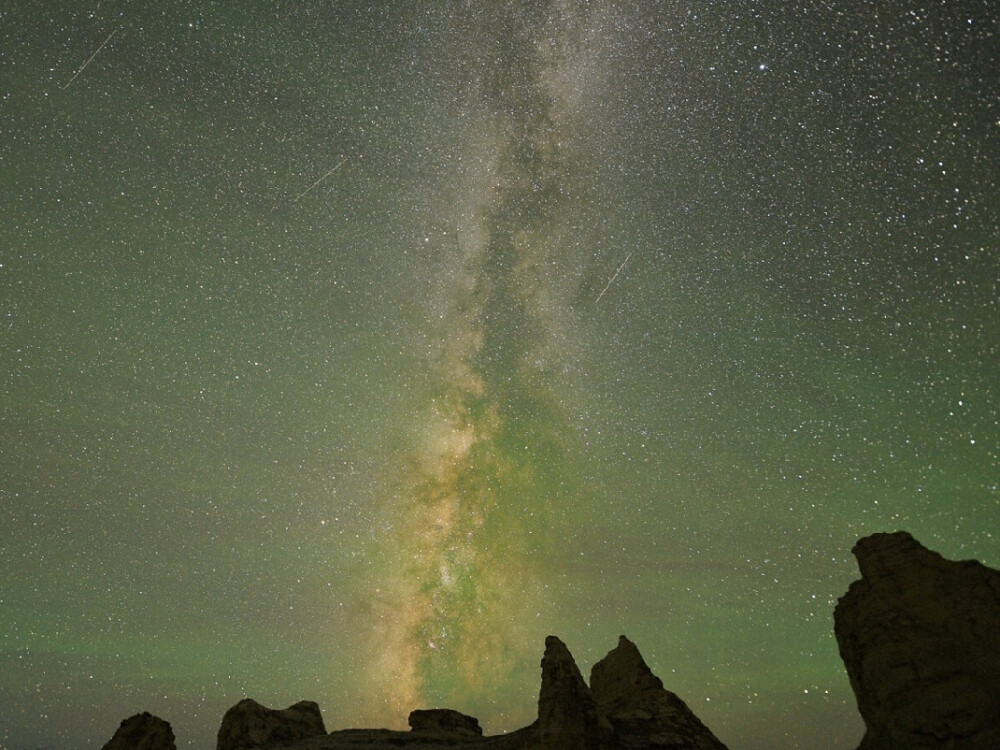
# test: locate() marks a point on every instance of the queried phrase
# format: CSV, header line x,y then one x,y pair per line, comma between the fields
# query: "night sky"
x,y
348,349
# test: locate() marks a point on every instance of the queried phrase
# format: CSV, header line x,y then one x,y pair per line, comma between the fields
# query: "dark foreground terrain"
x,y
919,636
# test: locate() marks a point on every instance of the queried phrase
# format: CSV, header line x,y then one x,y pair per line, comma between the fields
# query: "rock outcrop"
x,y
567,714
444,722
625,708
251,725
642,713
142,732
920,638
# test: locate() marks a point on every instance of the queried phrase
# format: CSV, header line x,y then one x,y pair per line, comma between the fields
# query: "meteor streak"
x,y
89,59
342,162
613,278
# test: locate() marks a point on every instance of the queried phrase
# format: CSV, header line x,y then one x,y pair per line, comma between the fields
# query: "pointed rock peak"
x,y
567,716
556,648
641,712
560,675
626,654
625,647
620,675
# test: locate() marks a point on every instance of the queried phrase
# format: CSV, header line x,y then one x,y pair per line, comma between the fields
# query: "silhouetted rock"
x,y
251,725
444,721
142,732
567,715
642,713
920,637
627,710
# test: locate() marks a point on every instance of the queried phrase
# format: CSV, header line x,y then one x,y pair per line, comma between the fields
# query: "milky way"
x,y
474,489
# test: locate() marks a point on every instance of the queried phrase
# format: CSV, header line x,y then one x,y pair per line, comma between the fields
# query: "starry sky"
x,y
348,349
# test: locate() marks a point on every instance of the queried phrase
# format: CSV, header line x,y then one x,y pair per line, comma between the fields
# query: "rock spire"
x,y
920,638
642,713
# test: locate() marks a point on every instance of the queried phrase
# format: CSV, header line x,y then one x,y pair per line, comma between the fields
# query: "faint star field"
x,y
347,351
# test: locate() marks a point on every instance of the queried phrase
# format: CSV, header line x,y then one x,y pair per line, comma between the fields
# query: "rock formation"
x,y
920,637
444,721
567,714
250,725
142,732
642,713
625,709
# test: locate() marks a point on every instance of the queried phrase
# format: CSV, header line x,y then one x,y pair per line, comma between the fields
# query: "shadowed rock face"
x,y
251,725
628,709
920,638
642,713
567,714
445,722
142,732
